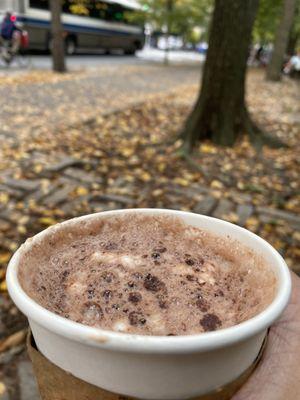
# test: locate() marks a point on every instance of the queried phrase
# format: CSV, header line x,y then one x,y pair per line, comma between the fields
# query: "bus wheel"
x,y
70,46
130,52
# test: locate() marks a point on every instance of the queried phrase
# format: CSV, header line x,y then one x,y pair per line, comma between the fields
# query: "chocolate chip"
x,y
189,261
108,276
153,284
131,284
160,249
163,304
65,273
138,275
155,255
116,306
91,293
125,310
202,305
190,278
111,246
107,294
210,322
219,292
136,318
135,297
171,334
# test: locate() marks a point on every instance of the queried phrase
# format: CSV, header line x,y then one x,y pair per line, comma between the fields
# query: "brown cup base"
x,y
56,384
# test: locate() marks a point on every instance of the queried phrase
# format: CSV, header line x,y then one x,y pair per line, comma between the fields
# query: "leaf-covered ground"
x,y
129,158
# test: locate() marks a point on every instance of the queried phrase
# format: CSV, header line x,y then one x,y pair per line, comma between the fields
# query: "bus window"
x,y
115,12
40,4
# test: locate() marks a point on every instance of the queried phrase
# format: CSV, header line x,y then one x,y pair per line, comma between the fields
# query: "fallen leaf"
x,y
2,388
47,221
4,257
13,340
3,286
81,191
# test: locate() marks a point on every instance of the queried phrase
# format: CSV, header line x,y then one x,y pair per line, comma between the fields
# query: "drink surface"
x,y
150,275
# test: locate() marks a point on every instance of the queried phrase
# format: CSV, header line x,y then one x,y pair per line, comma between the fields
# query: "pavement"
x,y
95,60
74,97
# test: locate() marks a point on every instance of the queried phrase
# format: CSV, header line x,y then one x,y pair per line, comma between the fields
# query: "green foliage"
x,y
182,16
267,20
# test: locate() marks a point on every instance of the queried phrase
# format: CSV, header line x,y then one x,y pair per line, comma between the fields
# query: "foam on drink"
x,y
150,275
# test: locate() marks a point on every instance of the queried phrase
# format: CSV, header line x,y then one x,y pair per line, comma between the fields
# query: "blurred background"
x,y
180,104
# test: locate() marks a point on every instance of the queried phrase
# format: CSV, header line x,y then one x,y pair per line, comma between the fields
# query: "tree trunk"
x,y
220,112
169,10
291,47
58,48
281,40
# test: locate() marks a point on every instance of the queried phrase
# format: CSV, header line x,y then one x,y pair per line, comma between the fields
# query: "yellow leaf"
x,y
4,197
22,229
13,246
296,252
252,223
278,244
47,221
216,184
2,388
37,168
157,192
207,148
13,340
3,286
145,176
181,181
161,167
81,191
296,236
127,151
231,217
4,258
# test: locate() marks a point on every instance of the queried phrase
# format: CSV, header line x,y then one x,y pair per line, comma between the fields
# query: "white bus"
x,y
99,24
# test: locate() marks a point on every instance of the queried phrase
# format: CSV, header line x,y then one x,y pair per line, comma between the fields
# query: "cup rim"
x,y
145,343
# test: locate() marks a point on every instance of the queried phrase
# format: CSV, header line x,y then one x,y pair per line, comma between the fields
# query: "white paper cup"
x,y
153,367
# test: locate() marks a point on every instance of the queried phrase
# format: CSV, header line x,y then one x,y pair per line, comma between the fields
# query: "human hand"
x,y
277,376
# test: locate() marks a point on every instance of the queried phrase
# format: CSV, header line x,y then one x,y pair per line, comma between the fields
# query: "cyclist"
x,y
11,33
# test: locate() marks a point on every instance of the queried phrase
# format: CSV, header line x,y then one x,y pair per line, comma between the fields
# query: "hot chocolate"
x,y
149,275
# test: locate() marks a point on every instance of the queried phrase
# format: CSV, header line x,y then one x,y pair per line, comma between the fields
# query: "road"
x,y
95,85
95,60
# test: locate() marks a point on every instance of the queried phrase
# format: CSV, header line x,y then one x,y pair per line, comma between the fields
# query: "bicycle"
x,y
15,52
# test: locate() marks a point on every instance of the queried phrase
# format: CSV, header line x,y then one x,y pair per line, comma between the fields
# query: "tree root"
x,y
185,154
258,137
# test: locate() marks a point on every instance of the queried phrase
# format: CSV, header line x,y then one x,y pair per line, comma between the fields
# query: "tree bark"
x,y
291,47
281,40
220,113
169,10
58,47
